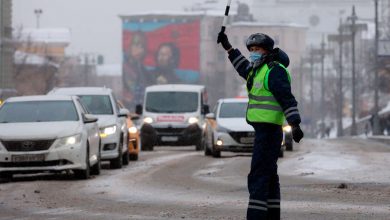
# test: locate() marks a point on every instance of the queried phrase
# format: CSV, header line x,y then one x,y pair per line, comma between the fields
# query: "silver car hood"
x,y
38,130
235,124
106,120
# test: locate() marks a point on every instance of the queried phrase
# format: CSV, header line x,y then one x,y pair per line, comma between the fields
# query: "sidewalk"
x,y
380,138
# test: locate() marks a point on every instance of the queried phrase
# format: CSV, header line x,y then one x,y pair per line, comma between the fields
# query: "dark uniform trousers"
x,y
263,179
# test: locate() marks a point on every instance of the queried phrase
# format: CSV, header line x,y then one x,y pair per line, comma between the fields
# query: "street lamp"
x,y
38,13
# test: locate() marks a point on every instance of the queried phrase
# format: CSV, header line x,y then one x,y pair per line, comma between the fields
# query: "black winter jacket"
x,y
278,82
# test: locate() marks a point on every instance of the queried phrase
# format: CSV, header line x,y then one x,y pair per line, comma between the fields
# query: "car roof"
x,y
175,87
82,91
40,98
233,100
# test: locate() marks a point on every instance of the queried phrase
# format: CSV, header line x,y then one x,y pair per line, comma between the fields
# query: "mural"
x,y
159,52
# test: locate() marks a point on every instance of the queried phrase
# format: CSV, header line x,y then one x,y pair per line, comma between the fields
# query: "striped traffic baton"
x,y
225,19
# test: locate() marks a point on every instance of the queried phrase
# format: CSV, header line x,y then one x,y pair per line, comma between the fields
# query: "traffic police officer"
x,y
270,104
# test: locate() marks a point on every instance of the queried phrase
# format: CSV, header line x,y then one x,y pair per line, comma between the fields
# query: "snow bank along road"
x,y
321,179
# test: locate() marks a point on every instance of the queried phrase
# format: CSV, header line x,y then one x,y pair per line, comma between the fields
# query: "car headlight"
x,y
287,128
104,132
193,120
148,120
133,130
70,140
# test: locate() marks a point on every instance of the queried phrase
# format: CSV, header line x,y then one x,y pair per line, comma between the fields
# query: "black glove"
x,y
223,39
297,133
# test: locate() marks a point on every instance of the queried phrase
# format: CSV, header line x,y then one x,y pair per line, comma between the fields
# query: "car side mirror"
x,y
138,109
123,112
210,116
205,109
88,118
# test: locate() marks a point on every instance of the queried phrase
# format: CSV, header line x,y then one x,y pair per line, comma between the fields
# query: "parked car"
x,y
134,142
227,130
48,133
173,114
101,102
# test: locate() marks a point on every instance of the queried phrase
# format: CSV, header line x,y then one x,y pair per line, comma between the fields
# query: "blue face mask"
x,y
255,56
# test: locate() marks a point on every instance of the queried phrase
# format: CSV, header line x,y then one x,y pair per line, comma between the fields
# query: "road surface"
x,y
322,179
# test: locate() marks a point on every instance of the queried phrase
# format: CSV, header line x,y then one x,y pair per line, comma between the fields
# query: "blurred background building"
x,y
6,49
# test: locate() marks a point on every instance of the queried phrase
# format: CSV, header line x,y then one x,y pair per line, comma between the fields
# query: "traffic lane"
x,y
177,182
118,194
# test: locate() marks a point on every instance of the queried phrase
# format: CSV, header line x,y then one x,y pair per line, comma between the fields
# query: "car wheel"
x,y
289,146
95,170
133,157
199,144
84,174
216,153
117,162
126,158
146,145
281,152
208,142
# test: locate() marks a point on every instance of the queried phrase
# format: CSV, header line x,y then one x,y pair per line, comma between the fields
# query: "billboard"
x,y
158,51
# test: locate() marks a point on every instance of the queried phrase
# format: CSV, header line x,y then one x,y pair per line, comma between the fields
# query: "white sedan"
x,y
227,129
48,133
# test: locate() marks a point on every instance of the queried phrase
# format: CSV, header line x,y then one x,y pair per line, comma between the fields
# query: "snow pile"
x,y
342,160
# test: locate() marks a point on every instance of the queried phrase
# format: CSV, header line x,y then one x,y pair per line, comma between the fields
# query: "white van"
x,y
173,114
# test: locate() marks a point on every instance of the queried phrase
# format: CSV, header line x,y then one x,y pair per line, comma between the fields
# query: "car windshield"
x,y
233,110
171,102
97,104
38,111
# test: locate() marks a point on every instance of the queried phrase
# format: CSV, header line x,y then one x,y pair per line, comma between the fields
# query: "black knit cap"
x,y
260,40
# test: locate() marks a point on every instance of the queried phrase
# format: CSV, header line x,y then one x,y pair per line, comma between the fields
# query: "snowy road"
x,y
322,179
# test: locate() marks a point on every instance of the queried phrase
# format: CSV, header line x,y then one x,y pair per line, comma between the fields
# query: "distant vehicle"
x,y
134,142
101,102
48,133
227,130
173,115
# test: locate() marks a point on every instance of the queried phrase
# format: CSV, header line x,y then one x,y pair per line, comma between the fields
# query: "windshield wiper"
x,y
149,109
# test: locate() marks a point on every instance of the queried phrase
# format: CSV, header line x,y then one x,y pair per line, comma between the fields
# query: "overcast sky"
x,y
94,24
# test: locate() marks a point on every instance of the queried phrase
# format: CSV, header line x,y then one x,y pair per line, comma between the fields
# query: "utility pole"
x,y
341,101
312,91
353,19
322,110
340,39
376,128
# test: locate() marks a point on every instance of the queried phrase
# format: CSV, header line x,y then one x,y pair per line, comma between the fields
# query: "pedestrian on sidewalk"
x,y
270,103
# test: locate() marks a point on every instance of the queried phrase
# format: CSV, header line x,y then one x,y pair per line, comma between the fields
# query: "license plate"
x,y
28,158
169,138
247,140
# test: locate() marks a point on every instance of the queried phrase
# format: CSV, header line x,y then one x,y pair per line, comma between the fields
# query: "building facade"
x,y
198,59
320,16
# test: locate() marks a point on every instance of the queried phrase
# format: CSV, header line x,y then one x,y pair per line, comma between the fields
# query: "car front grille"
x,y
27,145
36,163
240,136
169,131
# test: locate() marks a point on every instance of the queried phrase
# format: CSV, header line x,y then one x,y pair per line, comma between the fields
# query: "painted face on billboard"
x,y
158,51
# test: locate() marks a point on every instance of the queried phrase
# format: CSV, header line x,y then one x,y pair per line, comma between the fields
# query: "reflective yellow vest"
x,y
262,105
